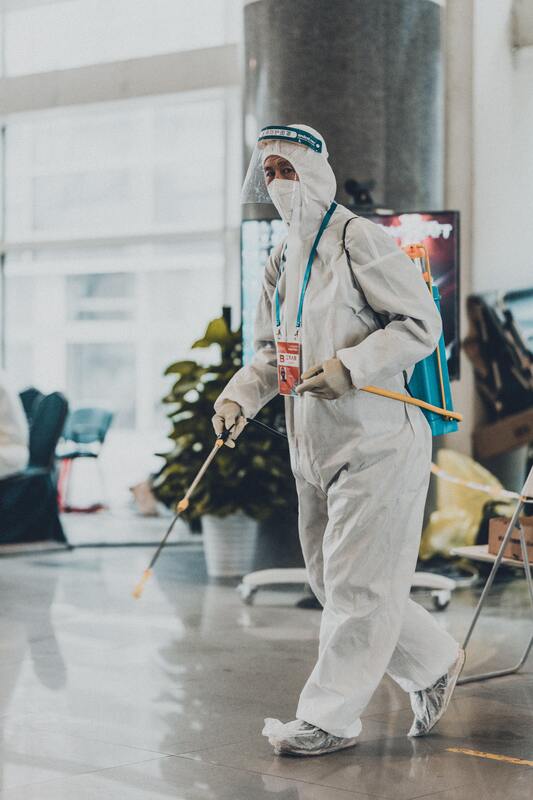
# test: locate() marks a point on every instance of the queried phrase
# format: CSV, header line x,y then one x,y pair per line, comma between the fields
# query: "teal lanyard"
x,y
308,268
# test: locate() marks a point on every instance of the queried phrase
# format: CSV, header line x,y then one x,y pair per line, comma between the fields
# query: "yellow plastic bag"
x,y
456,521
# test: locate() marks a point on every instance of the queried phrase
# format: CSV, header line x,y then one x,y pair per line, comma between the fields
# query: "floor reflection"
x,y
104,696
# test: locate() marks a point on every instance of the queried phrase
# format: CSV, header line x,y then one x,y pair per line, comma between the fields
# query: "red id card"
x,y
288,366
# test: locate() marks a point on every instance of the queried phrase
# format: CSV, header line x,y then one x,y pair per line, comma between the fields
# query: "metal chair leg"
x,y
514,522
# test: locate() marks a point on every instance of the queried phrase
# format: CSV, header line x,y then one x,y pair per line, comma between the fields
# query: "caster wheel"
x,y
309,602
441,600
247,593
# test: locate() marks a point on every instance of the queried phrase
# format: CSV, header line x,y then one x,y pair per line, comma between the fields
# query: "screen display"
x,y
438,231
258,238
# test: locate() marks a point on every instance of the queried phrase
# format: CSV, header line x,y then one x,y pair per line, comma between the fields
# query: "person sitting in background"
x,y
14,432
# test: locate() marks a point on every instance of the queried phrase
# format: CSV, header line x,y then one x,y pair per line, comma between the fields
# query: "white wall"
x,y
523,164
502,152
458,187
489,165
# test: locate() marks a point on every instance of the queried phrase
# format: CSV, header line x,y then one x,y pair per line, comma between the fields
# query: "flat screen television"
x,y
438,230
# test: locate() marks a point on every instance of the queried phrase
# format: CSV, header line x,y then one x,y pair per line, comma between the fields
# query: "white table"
x,y
480,552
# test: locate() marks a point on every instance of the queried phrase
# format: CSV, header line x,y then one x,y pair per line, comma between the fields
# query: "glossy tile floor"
x,y
110,698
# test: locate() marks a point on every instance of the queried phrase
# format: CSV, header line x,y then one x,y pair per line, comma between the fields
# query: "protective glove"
x,y
230,415
328,380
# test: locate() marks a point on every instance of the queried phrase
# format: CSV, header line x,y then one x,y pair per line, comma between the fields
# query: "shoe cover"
x,y
430,704
302,738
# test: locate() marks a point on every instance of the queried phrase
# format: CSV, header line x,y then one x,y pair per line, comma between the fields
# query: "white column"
x,y
458,185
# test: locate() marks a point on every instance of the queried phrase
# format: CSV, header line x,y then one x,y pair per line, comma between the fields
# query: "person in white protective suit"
x,y
343,307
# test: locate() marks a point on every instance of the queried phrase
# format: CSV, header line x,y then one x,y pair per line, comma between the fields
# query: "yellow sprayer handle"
x,y
414,401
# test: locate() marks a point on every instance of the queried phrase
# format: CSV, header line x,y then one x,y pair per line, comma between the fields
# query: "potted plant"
x,y
243,485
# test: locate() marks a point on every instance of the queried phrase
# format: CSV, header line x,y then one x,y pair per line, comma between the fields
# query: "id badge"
x,y
289,369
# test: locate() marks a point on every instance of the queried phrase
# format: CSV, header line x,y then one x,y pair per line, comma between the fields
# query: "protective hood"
x,y
309,157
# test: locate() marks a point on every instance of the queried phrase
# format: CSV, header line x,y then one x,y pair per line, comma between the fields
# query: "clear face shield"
x,y
271,162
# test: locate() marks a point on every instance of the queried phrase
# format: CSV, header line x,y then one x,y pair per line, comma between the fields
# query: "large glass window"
x,y
118,219
46,36
104,296
103,374
119,170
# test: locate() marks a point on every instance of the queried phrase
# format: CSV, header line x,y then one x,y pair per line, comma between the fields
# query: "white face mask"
x,y
286,197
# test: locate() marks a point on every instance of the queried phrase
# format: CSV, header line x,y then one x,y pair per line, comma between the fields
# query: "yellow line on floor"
x,y
493,756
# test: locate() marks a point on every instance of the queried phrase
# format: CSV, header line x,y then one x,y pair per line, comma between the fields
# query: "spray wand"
x,y
221,438
184,502
180,508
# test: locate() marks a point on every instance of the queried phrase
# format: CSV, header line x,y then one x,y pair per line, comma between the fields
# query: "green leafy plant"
x,y
254,477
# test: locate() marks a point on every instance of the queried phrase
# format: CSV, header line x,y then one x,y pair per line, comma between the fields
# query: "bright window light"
x,y
51,36
118,219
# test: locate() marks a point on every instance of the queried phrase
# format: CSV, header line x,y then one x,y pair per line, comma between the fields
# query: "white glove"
x,y
328,380
230,415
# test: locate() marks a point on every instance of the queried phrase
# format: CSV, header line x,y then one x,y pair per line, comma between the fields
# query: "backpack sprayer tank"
x,y
430,380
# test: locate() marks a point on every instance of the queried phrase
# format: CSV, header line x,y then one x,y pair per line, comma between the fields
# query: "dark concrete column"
x,y
367,74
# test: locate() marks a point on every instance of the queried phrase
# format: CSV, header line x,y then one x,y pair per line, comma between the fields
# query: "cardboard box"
x,y
497,529
504,435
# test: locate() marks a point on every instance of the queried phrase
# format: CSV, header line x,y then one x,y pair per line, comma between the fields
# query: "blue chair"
x,y
83,436
28,499
30,398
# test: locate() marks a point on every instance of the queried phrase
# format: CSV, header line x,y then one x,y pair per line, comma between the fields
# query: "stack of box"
x,y
497,529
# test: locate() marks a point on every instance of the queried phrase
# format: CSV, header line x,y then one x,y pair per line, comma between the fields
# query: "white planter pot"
x,y
229,544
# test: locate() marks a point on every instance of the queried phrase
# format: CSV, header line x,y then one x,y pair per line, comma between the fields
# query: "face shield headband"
x,y
283,140
293,135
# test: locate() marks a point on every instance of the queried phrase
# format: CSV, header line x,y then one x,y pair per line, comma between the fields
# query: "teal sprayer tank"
x,y
430,380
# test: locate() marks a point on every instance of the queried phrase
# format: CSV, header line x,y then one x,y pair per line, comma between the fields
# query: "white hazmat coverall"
x,y
361,462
